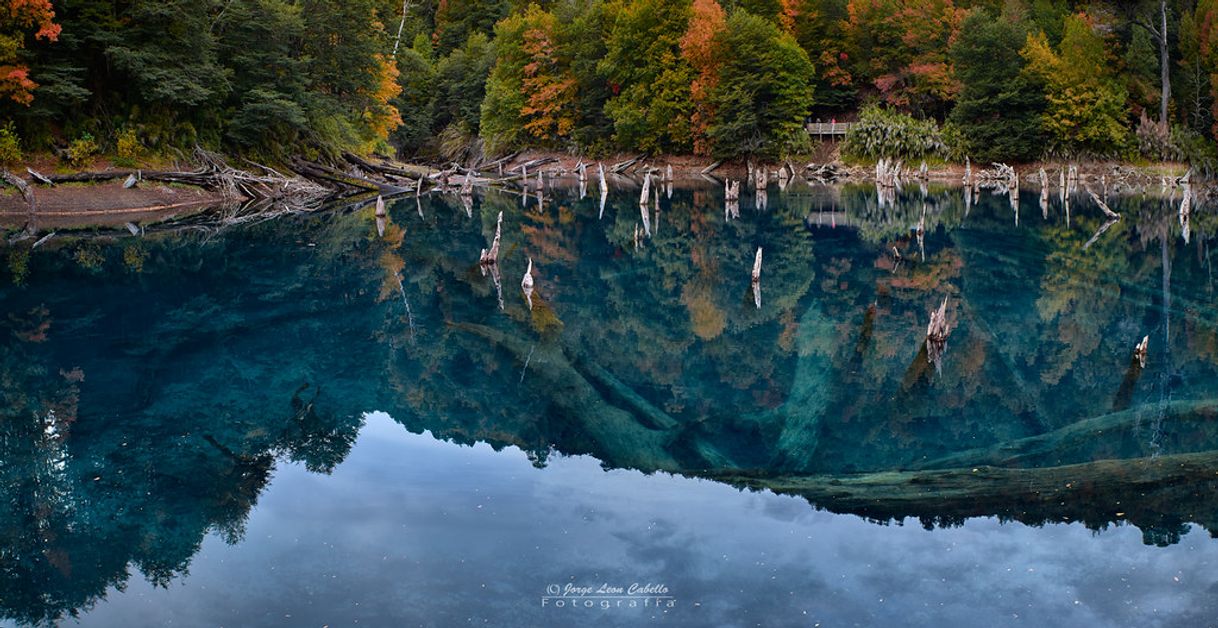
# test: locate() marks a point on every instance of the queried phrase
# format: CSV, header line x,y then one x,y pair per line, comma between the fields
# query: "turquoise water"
x,y
323,421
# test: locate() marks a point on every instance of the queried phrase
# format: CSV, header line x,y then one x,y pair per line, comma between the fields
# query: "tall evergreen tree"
x,y
998,110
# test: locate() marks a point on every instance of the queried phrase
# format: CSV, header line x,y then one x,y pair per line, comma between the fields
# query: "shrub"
x,y
81,149
1175,144
127,148
10,145
1195,149
885,133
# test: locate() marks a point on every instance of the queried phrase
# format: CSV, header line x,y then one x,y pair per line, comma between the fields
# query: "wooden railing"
x,y
828,128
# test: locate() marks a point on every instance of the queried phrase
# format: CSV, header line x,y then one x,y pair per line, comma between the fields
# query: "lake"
x,y
339,419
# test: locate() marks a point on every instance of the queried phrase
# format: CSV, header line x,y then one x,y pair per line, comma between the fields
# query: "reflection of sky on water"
x,y
414,531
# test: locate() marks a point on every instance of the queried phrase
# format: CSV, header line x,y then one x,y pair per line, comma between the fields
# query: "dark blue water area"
x,y
334,419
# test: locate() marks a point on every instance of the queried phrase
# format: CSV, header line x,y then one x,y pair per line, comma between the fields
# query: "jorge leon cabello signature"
x,y
607,596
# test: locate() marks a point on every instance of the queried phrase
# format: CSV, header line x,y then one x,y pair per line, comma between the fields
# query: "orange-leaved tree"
x,y
381,116
549,107
17,18
902,47
698,46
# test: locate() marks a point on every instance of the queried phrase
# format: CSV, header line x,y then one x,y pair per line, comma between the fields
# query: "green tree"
x,y
901,48
461,86
1141,73
583,29
417,77
651,105
764,89
530,93
998,110
1193,88
456,20
1086,104
818,27
344,43
257,41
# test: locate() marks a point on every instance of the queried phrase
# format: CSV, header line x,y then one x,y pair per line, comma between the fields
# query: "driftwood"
x,y
97,177
621,166
39,177
491,257
937,332
756,279
1000,174
731,190
888,173
26,192
344,179
1104,207
823,172
43,240
526,284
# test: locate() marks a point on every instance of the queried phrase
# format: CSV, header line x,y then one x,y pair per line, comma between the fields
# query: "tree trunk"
x,y
1164,63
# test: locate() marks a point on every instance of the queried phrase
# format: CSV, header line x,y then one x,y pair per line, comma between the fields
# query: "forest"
x,y
1012,80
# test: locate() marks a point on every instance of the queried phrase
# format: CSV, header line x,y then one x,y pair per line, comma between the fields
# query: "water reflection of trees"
x,y
102,469
267,344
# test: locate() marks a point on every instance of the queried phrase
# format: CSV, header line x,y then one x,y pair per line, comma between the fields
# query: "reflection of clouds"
x,y
414,530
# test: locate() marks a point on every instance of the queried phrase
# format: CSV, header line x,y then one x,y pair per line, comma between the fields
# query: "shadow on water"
x,y
150,385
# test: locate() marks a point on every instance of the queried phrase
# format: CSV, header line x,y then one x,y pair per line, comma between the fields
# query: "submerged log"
x,y
1075,442
1150,491
616,434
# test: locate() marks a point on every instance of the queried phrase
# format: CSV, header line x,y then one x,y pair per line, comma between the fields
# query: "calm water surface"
x,y
329,421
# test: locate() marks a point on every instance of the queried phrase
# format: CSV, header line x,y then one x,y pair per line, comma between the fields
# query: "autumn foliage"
x,y
725,78
698,47
17,17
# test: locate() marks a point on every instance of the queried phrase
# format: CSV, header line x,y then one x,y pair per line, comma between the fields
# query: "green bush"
x,y
10,145
886,133
81,149
1175,144
1195,149
127,148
